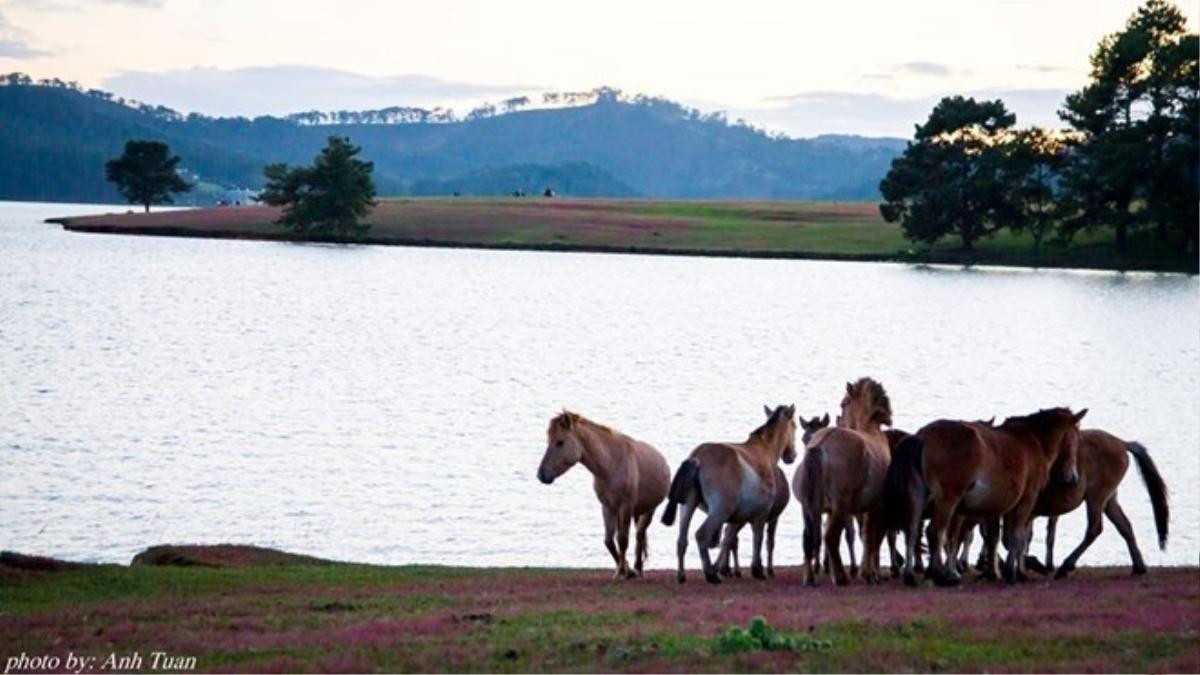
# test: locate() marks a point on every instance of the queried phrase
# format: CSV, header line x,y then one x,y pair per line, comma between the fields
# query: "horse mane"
x,y
878,403
566,418
779,412
1041,422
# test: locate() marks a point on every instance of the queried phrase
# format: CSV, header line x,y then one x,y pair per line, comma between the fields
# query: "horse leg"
x,y
756,563
824,523
1051,531
873,533
966,539
812,545
833,532
1094,525
643,545
610,528
1017,524
894,554
850,537
729,547
989,561
707,536
624,519
771,526
943,515
1117,516
912,547
685,520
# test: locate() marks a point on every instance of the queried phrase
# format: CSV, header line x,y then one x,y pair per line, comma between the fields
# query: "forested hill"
x,y
54,140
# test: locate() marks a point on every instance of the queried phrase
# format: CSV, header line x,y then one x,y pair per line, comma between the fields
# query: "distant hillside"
x,y
54,140
574,179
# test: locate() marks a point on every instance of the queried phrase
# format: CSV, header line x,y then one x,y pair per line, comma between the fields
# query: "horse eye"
x,y
558,444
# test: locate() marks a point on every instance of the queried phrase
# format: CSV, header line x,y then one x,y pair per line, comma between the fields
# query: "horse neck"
x,y
769,444
596,457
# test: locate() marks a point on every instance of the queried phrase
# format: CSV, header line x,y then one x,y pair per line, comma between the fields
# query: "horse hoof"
x,y
681,578
1062,573
853,571
1139,570
910,579
842,580
712,578
811,581
947,580
630,574
771,572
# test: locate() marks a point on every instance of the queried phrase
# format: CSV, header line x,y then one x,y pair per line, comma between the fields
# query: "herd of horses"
x,y
861,476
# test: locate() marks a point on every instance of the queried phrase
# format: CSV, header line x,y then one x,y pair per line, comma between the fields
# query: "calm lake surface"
x,y
389,405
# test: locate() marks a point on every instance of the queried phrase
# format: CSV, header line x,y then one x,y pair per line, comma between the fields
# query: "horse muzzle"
x,y
545,476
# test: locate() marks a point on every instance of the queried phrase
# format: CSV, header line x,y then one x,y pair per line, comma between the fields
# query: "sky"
x,y
797,67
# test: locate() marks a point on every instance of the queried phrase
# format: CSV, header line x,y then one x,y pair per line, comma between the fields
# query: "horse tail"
x,y
686,477
904,487
1155,486
812,496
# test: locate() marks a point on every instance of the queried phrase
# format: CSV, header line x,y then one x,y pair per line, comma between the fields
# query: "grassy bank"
x,y
284,614
838,231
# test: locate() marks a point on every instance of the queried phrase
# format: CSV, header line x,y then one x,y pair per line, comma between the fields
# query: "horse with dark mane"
x,y
1103,461
733,483
975,470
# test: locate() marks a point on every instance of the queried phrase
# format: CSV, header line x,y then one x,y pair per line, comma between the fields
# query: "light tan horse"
x,y
782,496
1103,461
732,483
843,475
630,478
978,471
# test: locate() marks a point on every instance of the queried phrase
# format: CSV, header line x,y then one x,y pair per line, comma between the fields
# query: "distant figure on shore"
x,y
518,193
548,193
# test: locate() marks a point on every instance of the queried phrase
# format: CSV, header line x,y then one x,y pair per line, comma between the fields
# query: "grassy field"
x,y
851,231
280,614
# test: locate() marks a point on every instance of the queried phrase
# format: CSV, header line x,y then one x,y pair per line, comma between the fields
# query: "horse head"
x,y
781,425
865,406
812,426
564,448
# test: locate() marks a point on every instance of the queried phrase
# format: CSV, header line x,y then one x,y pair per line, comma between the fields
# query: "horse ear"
x,y
565,420
792,410
1079,415
849,388
767,409
825,420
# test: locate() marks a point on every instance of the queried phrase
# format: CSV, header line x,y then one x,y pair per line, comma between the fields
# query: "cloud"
x,y
874,114
278,90
925,68
1037,68
15,42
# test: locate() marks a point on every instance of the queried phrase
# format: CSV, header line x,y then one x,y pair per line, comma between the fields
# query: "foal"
x,y
630,478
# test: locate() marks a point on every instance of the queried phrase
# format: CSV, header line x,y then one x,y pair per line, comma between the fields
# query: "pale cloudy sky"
x,y
848,66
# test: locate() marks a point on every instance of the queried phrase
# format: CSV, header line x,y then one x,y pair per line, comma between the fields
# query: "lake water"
x,y
389,405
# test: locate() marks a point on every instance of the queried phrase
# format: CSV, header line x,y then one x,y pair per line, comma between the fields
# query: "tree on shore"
x,y
947,181
328,198
146,173
1032,161
1135,155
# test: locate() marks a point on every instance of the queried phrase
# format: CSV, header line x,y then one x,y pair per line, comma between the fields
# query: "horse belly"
x,y
983,500
755,498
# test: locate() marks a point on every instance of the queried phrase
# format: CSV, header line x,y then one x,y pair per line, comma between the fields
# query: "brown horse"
x,y
975,470
732,483
630,478
843,475
1103,461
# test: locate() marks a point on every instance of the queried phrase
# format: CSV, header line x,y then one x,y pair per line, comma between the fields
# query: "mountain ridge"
x,y
55,137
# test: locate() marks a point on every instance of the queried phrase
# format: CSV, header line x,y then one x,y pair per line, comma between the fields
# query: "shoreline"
x,y
841,232
265,610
